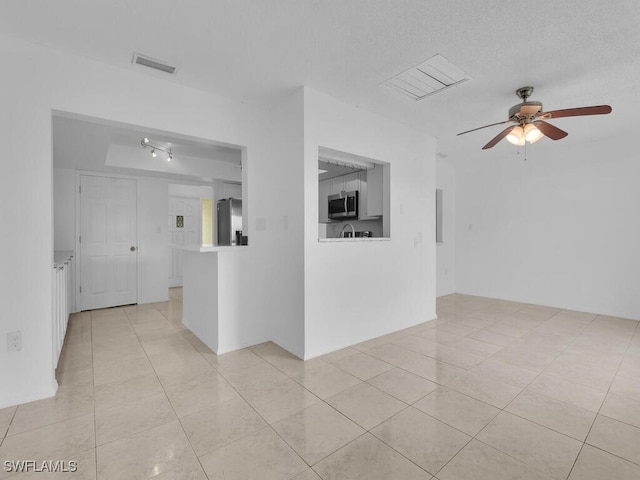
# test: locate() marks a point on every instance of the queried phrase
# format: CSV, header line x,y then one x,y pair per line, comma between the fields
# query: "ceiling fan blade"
x,y
551,131
498,137
486,126
577,112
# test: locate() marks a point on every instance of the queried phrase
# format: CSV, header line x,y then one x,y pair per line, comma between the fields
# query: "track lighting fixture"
x,y
146,143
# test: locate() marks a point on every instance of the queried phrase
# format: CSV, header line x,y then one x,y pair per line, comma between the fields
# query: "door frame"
x,y
77,215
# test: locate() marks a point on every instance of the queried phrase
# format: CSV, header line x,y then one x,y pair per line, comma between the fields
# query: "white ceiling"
x,y
90,144
575,52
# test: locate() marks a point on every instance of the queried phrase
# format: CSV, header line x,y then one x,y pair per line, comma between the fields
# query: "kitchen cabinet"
x,y
374,191
371,193
325,188
344,183
351,182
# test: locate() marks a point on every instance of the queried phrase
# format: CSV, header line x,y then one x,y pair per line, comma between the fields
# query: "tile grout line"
x,y
538,375
474,437
503,409
6,434
167,398
365,432
603,402
271,426
267,424
93,385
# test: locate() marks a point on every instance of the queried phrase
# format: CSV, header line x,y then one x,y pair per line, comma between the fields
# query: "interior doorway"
x,y
186,223
184,229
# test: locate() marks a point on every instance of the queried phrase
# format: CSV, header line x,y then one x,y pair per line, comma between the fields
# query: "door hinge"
x,y
80,189
80,288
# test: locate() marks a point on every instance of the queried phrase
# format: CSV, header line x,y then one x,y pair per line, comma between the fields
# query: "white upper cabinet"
x,y
374,191
351,182
370,193
345,183
325,188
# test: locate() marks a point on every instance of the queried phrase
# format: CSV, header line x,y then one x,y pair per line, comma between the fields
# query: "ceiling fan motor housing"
x,y
525,111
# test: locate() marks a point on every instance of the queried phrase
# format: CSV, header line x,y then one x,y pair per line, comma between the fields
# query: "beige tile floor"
x,y
490,390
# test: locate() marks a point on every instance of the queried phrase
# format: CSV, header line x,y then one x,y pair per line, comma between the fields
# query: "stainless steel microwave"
x,y
343,205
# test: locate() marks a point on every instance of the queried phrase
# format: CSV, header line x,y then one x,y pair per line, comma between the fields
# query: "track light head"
x,y
145,142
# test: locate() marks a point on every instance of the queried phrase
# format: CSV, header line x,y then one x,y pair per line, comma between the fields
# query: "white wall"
x,y
445,252
359,290
27,246
153,240
278,223
193,191
559,229
43,80
285,275
64,205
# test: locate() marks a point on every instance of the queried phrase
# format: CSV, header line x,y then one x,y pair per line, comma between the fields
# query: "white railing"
x,y
63,286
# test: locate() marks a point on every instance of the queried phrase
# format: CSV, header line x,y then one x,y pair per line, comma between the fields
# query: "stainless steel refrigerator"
x,y
229,221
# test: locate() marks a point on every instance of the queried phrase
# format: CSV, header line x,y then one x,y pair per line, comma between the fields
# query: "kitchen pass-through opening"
x,y
353,197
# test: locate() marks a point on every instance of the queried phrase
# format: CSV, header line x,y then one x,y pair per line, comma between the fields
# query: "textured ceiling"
x,y
574,52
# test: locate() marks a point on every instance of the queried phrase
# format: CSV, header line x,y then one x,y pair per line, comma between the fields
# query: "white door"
x,y
108,242
184,227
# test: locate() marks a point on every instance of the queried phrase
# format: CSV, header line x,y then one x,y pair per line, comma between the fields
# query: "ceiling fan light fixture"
x,y
516,136
532,134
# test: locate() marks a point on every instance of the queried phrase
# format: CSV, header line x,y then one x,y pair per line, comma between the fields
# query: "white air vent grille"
x,y
151,63
433,76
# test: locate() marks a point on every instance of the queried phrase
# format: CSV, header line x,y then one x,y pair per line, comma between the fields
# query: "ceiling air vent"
x,y
151,63
433,76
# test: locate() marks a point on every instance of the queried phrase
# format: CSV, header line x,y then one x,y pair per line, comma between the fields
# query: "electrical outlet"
x,y
14,341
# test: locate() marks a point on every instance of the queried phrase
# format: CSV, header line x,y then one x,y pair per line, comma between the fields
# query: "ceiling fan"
x,y
530,121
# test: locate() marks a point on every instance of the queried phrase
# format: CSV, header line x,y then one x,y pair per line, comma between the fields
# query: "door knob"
x,y
133,249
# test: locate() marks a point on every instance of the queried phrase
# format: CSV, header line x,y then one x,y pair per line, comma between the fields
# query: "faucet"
x,y
353,230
